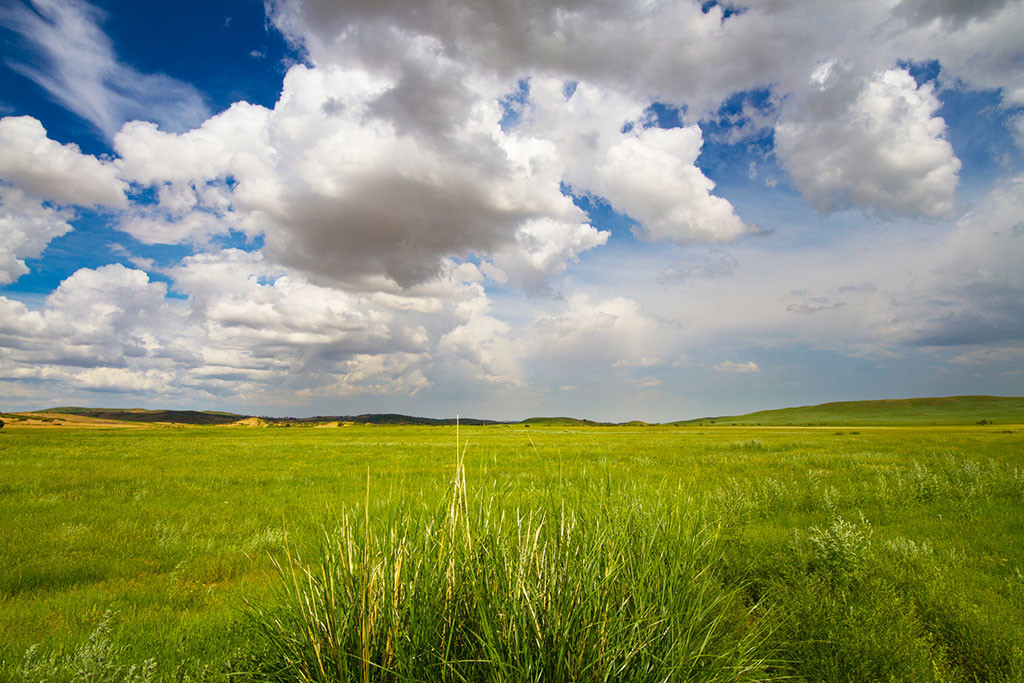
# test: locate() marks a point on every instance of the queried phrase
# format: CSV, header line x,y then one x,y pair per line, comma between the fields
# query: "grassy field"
x,y
890,553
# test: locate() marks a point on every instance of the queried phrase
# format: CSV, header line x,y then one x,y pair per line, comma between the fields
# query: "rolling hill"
x,y
195,417
211,417
558,422
950,410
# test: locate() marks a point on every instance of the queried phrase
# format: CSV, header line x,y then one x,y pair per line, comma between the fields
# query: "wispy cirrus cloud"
x,y
74,61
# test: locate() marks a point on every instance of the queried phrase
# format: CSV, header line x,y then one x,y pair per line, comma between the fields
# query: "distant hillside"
x,y
382,419
194,417
212,417
951,410
558,422
576,422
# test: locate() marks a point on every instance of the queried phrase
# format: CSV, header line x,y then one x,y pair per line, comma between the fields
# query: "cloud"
x,y
320,182
608,148
1016,125
639,363
54,172
272,330
385,374
975,292
714,265
371,167
345,193
977,46
812,307
982,314
248,331
672,52
37,175
150,225
585,40
120,380
227,144
542,248
266,316
808,304
872,144
79,69
199,176
990,355
414,178
393,136
955,12
737,368
252,333
937,288
481,348
862,134
26,227
653,177
588,340
111,316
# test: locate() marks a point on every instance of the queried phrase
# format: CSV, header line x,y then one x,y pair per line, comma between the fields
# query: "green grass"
x,y
866,554
951,410
593,585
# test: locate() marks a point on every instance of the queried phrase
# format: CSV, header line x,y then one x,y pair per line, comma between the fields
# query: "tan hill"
x,y
50,419
250,422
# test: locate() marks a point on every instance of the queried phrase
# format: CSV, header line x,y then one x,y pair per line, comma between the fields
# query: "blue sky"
x,y
625,211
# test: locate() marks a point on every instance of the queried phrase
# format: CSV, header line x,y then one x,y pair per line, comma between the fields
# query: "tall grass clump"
x,y
592,583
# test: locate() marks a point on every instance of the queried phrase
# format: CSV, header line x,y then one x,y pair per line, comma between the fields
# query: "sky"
x,y
611,209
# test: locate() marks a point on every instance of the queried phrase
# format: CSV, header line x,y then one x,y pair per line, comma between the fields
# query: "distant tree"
x,y
1,424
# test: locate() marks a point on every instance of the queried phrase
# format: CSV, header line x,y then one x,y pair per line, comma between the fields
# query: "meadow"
x,y
695,552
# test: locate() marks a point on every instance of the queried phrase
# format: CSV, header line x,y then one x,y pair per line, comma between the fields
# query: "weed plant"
x,y
595,584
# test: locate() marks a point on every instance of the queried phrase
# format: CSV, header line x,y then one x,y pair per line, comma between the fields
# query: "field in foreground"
x,y
849,554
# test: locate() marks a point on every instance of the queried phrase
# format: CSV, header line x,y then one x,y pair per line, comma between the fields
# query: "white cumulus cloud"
x,y
37,173
26,227
875,144
54,172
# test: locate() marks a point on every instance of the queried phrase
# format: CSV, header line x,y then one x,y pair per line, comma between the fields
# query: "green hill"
x,y
384,419
559,422
576,422
950,410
